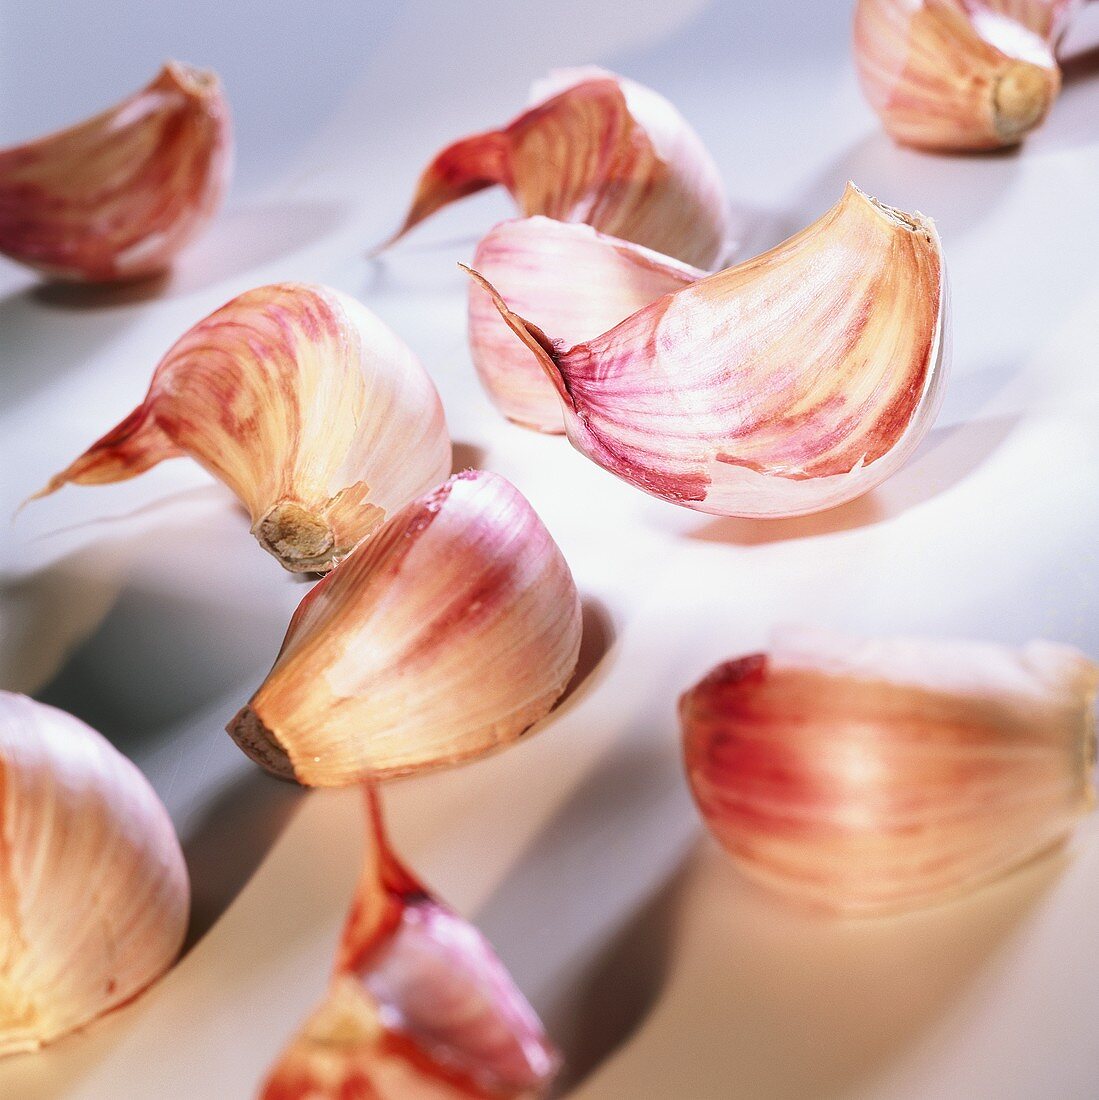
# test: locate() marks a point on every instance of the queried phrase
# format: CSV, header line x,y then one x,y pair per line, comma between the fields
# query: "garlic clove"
x,y
317,416
568,279
446,636
788,384
877,776
598,149
957,76
93,887
419,1008
117,197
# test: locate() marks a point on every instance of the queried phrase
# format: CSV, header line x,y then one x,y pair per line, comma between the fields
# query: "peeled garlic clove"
x,y
93,888
446,636
420,1007
118,196
597,149
956,75
870,776
790,383
568,279
304,404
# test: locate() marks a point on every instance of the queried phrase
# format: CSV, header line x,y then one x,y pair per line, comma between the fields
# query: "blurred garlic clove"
x,y
568,279
876,776
117,197
599,149
960,76
93,888
419,1008
304,404
445,637
793,382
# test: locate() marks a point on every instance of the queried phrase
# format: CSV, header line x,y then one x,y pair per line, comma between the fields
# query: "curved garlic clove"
x,y
93,888
790,383
304,404
957,75
420,1007
568,279
118,196
446,636
597,149
869,776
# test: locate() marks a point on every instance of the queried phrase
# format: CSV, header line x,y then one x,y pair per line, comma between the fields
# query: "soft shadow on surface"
x,y
596,640
467,456
95,296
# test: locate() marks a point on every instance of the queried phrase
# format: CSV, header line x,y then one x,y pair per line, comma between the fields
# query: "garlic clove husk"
x,y
94,893
597,149
116,197
446,636
878,776
790,383
317,416
568,279
419,1008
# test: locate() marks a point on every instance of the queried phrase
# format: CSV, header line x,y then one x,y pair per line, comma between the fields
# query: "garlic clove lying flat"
x,y
598,149
877,776
93,887
446,636
420,1007
317,416
117,197
788,384
568,279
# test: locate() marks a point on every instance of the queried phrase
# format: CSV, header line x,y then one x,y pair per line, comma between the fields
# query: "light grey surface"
x,y
146,609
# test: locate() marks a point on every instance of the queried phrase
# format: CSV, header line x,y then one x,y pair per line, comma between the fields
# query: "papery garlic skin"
x,y
599,149
94,893
118,196
877,776
791,383
445,637
317,416
568,279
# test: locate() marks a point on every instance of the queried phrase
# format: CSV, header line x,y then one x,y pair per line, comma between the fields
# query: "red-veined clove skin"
x,y
419,1008
118,196
599,149
790,383
444,637
316,415
871,777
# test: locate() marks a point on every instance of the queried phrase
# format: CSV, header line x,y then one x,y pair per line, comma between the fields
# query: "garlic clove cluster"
x,y
599,149
878,776
117,197
788,384
317,416
446,636
93,887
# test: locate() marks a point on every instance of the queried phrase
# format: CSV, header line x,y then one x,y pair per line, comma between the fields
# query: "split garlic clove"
x,y
117,197
445,637
568,279
877,776
956,76
788,384
93,887
599,149
317,416
419,1008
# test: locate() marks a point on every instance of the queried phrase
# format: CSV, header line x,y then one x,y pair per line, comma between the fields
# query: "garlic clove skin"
x,y
568,279
790,383
445,637
94,893
317,416
878,776
118,196
597,149
420,1007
